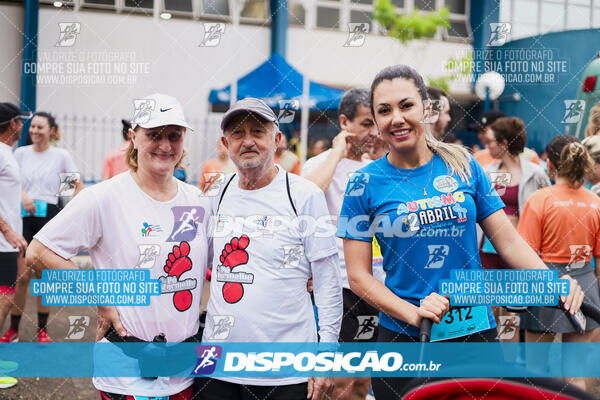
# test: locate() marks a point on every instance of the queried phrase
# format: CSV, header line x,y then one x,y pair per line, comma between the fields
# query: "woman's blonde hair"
x,y
593,124
131,156
455,156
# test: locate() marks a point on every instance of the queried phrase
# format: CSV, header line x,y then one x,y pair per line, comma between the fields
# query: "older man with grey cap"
x,y
268,240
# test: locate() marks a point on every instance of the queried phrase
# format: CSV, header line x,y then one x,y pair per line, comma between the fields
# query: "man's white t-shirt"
x,y
335,197
123,227
40,171
261,265
10,198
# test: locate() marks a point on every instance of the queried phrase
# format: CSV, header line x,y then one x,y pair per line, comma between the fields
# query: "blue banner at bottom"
x,y
300,359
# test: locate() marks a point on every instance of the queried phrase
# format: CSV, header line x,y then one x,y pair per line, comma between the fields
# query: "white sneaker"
x,y
7,382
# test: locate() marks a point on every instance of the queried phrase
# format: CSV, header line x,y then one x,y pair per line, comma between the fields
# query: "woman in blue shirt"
x,y
422,202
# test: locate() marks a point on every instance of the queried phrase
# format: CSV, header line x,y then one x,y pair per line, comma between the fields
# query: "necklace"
x,y
420,187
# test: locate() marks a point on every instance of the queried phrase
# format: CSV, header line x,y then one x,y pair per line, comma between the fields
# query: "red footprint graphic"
x,y
233,255
177,263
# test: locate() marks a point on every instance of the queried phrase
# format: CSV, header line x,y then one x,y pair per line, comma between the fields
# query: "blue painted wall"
x,y
542,104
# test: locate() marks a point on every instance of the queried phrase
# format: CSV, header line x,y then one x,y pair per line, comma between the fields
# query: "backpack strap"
x,y
223,192
287,186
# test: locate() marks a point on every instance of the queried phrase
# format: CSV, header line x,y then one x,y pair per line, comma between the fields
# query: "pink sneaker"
x,y
11,336
43,336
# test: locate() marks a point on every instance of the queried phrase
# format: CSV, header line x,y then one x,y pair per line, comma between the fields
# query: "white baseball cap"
x,y
158,110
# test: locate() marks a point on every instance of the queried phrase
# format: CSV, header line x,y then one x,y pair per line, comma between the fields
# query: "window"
x,y
458,29
425,5
524,19
98,3
457,6
140,3
254,10
552,17
296,13
215,7
184,6
578,17
328,17
596,16
144,6
505,11
369,2
360,16
398,3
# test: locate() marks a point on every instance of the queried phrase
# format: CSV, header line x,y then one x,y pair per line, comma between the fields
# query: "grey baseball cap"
x,y
249,105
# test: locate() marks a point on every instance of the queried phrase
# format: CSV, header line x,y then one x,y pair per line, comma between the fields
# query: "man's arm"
x,y
328,297
323,174
13,238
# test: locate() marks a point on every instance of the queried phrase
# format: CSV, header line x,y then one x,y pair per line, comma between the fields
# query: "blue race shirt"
x,y
422,237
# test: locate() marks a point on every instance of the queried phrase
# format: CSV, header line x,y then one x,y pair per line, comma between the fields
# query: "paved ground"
x,y
74,388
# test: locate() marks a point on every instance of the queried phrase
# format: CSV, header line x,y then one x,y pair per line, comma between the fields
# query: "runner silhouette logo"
x,y
207,359
186,221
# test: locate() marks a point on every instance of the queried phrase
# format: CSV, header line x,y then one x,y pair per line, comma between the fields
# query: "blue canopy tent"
x,y
276,80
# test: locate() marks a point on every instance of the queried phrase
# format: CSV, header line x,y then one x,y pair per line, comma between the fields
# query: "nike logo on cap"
x,y
165,109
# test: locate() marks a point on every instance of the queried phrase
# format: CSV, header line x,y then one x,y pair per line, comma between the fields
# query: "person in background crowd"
x,y
115,217
514,177
41,167
515,180
592,144
12,244
377,149
114,161
483,157
593,125
288,160
331,171
544,161
442,107
320,146
451,138
416,171
213,167
562,223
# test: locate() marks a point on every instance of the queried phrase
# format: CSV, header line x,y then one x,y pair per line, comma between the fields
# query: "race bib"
x,y
41,208
461,321
488,247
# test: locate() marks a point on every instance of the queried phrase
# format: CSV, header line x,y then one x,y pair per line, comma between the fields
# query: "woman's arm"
x,y
515,251
359,259
78,186
40,257
28,204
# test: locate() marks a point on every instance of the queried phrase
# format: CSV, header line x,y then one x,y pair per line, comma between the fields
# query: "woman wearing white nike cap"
x,y
143,218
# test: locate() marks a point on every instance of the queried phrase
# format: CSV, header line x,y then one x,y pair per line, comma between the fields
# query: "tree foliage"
x,y
407,27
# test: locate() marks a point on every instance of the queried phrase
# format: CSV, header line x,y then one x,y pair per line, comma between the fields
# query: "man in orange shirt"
x,y
114,161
